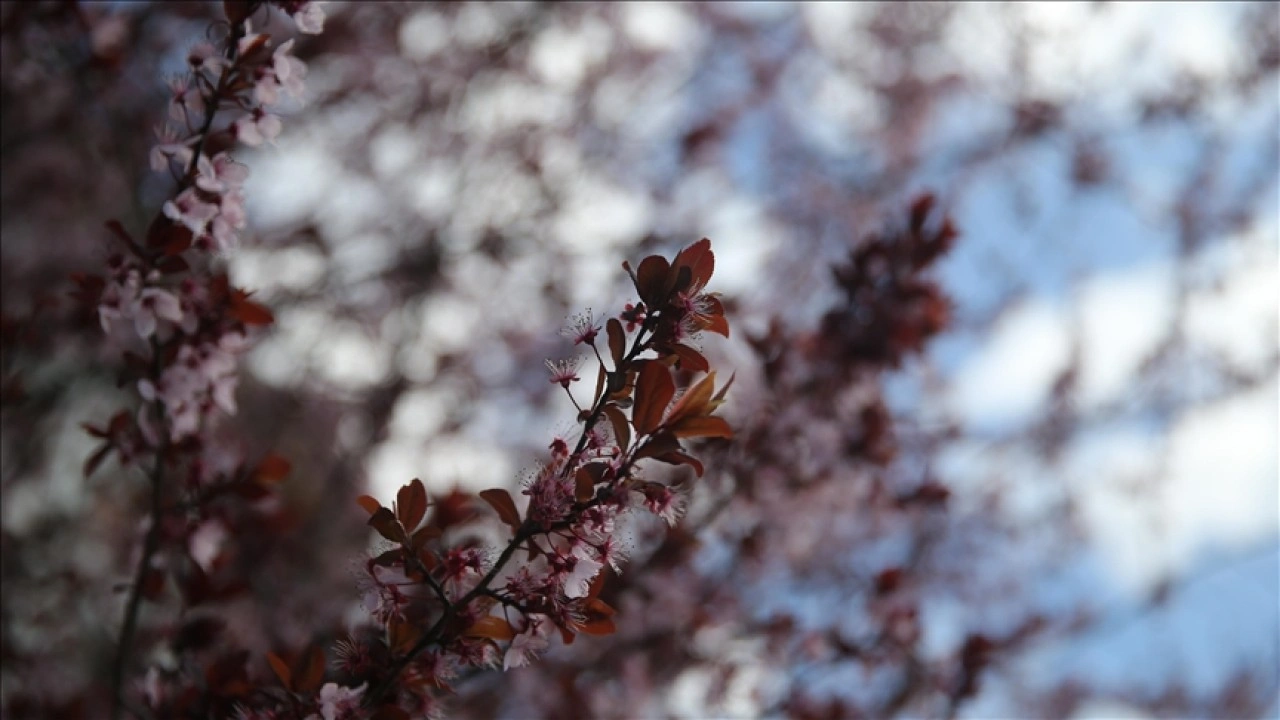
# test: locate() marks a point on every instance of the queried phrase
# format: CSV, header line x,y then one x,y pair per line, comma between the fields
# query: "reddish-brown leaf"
x,y
583,486
601,376
249,312
680,458
719,396
694,401
599,617
654,390
617,341
281,669
273,468
707,426
621,428
660,444
390,712
690,359
404,635
96,459
369,504
652,280
494,628
700,261
411,504
716,324
597,585
424,535
311,672
384,521
500,500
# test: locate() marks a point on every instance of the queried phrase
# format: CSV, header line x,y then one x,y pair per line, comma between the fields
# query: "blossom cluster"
x,y
163,291
166,303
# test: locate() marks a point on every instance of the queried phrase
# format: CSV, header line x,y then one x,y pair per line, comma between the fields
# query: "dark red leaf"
x,y
651,280
370,505
500,500
706,426
411,504
660,444
700,261
680,458
249,312
621,428
424,535
494,628
689,359
617,341
96,459
311,671
385,523
273,468
281,669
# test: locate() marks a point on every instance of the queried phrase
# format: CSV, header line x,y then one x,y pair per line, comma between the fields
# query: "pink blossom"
x,y
338,702
204,56
286,73
564,371
257,127
220,174
155,304
170,147
663,502
529,643
309,19
584,569
582,329
206,542
550,497
190,210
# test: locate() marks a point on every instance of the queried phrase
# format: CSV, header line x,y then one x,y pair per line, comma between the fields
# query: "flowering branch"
x,y
576,500
180,321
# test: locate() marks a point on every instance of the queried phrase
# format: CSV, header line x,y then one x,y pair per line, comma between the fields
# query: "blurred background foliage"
x,y
1102,409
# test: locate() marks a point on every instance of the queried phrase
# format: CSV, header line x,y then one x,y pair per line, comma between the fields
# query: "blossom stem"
x,y
149,546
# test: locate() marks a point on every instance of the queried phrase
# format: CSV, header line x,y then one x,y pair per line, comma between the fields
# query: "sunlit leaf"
x,y
708,426
694,401
690,359
494,628
654,390
370,505
621,428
